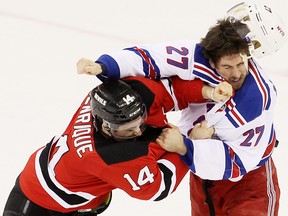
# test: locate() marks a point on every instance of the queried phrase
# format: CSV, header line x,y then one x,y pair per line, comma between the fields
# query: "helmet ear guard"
x,y
267,31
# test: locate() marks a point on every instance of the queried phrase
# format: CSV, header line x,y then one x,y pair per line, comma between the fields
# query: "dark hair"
x,y
223,40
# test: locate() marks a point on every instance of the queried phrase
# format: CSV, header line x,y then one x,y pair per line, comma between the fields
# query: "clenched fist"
x,y
222,92
86,66
171,140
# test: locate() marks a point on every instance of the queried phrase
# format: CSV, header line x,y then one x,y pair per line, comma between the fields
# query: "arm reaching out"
x,y
221,92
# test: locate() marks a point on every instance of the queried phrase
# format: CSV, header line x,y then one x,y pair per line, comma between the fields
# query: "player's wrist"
x,y
182,150
208,92
101,69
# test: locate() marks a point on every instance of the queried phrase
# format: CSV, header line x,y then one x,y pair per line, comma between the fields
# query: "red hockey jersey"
x,y
78,169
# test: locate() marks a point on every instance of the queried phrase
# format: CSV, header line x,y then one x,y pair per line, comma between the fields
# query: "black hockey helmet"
x,y
117,103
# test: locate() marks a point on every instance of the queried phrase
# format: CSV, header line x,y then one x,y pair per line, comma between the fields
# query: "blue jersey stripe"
x,y
230,161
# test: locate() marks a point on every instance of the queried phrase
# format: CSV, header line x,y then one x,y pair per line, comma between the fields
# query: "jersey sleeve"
x,y
185,92
151,60
151,177
166,95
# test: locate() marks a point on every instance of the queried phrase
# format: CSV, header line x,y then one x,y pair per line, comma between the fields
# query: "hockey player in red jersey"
x,y
109,143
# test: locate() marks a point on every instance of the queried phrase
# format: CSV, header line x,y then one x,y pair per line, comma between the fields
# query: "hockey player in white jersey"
x,y
234,167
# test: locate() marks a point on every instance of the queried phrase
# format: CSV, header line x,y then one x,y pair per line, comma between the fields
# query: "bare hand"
x,y
222,92
171,140
86,66
201,131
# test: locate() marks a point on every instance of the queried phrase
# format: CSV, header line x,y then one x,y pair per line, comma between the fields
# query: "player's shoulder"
x,y
254,97
112,152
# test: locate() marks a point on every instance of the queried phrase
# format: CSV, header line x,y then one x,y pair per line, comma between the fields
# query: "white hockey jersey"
x,y
245,135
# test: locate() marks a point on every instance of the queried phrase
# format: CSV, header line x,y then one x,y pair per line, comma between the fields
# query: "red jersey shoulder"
x,y
156,98
117,152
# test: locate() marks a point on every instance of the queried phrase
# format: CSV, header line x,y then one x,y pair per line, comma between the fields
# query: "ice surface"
x,y
40,43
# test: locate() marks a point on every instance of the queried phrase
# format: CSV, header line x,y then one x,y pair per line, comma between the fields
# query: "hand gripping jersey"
x,y
78,169
245,132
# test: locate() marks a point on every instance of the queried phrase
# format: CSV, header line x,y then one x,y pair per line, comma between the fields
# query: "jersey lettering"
x,y
128,99
184,60
145,176
82,130
258,132
100,99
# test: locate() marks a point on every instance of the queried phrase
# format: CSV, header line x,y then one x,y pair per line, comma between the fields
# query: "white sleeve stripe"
x,y
60,200
170,90
271,193
167,185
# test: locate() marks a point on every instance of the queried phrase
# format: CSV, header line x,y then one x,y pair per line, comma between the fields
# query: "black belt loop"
x,y
208,201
